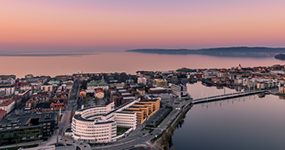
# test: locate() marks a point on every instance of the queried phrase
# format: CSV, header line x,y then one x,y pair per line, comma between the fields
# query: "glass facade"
x,y
20,135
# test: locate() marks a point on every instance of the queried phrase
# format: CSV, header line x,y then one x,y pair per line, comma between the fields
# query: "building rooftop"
x,y
126,110
126,94
148,100
129,112
2,111
140,89
43,105
158,88
6,103
22,120
129,97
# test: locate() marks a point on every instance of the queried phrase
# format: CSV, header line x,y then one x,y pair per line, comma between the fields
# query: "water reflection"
x,y
121,62
247,122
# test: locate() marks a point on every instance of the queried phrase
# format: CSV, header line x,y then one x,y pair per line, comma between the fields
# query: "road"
x,y
70,109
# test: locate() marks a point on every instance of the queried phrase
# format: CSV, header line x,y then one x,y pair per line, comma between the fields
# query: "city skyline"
x,y
122,25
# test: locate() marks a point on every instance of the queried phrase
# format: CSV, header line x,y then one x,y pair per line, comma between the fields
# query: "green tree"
x,y
96,100
86,99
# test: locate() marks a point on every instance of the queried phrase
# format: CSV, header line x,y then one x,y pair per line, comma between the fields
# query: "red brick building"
x,y
2,114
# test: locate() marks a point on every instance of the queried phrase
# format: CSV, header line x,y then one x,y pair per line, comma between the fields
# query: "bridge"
x,y
225,96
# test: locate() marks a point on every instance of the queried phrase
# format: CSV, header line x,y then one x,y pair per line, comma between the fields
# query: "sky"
x,y
118,25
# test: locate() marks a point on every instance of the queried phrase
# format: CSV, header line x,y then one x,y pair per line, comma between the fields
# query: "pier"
x,y
225,96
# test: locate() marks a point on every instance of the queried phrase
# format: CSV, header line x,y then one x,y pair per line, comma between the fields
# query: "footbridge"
x,y
225,96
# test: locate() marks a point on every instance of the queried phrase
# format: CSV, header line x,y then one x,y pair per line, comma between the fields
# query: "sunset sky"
x,y
118,25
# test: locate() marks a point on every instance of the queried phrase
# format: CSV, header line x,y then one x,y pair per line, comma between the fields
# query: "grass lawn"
x,y
16,148
121,130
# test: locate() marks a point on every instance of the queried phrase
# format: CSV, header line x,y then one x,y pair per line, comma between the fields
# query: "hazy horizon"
x,y
116,26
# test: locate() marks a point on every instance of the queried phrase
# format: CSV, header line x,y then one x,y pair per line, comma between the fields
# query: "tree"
x,y
96,100
86,99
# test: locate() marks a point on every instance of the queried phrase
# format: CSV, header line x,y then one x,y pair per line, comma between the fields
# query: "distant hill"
x,y
226,51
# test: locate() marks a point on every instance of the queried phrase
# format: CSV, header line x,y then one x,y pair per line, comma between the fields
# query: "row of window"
x,y
92,135
79,126
100,133
93,129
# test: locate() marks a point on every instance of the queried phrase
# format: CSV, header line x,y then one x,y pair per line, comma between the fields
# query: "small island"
x,y
280,56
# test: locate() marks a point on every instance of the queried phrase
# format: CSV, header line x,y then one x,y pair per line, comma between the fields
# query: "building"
x,y
141,91
180,90
8,81
54,83
61,96
160,82
142,80
144,109
82,93
63,77
57,104
97,84
9,90
239,67
29,76
282,89
130,81
126,119
2,114
103,122
25,94
95,119
2,92
26,127
99,93
4,77
7,105
37,98
36,86
116,83
47,87
157,90
30,104
42,107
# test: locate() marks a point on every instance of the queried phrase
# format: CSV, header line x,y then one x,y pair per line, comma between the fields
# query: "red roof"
x,y
99,90
2,112
6,103
18,84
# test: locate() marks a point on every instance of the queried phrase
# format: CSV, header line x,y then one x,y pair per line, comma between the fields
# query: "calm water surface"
x,y
120,62
241,123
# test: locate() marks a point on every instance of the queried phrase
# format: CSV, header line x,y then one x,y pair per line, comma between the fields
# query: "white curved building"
x,y
99,124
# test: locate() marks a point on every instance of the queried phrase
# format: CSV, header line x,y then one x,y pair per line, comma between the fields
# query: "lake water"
x,y
120,62
241,123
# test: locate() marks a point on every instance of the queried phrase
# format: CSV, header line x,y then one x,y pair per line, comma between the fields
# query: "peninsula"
x,y
224,51
280,56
